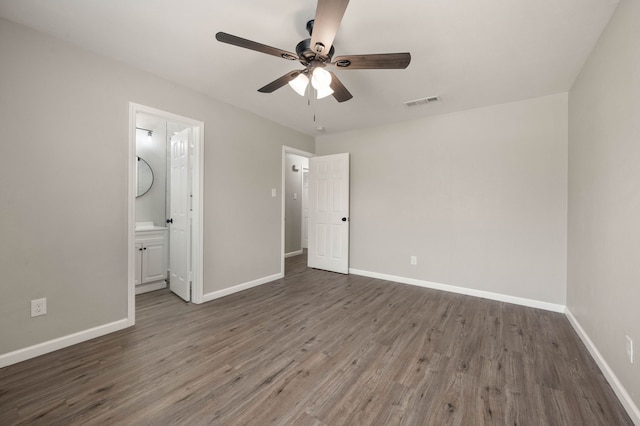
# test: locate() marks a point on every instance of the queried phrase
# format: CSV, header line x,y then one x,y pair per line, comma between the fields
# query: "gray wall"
x,y
64,195
151,207
293,207
604,195
479,196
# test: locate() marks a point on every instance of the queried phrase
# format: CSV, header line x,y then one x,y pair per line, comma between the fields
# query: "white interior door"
x,y
329,213
180,227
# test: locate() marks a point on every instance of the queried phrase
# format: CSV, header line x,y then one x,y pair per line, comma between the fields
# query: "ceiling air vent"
x,y
422,101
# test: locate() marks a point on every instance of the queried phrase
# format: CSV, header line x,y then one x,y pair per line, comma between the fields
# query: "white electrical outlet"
x,y
38,307
414,260
629,349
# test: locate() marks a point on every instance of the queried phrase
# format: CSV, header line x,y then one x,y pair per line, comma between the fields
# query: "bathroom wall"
x,y
151,206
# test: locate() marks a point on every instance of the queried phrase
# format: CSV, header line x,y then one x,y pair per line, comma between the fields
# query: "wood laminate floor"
x,y
319,348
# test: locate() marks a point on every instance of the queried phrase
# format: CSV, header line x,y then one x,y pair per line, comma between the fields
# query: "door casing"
x,y
197,168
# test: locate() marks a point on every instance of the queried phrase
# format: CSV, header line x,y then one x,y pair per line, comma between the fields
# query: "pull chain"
x,y
311,93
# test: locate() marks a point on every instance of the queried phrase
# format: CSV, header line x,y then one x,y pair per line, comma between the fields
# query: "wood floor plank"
x,y
318,348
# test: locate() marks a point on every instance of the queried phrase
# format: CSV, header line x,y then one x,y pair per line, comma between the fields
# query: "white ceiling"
x,y
470,53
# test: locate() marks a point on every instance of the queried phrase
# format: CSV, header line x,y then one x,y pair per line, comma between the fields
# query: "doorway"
x,y
178,162
295,167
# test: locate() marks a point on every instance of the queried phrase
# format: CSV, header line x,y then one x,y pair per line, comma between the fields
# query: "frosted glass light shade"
x,y
299,84
323,92
321,79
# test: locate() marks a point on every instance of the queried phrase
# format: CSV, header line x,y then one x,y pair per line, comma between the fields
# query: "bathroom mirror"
x,y
144,177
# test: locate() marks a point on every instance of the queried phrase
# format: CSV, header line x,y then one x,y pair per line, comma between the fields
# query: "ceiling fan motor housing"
x,y
310,26
307,55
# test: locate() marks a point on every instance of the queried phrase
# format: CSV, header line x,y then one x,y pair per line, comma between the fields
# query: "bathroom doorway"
x,y
165,204
295,212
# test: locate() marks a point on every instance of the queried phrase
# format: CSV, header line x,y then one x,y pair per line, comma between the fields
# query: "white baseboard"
x,y
293,253
462,290
240,287
61,342
145,288
620,391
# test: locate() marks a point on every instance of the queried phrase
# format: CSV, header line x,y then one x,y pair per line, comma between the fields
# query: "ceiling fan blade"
x,y
258,47
379,61
329,13
339,91
279,82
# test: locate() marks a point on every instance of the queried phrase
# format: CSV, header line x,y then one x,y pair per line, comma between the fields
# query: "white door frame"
x,y
286,150
303,206
196,202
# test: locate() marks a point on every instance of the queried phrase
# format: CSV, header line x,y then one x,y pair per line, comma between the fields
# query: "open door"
x,y
179,221
329,213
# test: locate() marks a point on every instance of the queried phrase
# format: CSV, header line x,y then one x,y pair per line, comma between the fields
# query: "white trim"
x,y
531,303
286,150
240,287
147,287
61,342
620,391
197,188
131,217
293,253
197,222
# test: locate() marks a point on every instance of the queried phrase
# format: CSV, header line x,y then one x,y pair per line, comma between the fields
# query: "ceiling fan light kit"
x,y
314,55
323,92
299,84
320,78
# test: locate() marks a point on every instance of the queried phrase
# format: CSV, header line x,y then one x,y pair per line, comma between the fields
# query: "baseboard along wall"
x,y
240,287
61,342
531,303
620,391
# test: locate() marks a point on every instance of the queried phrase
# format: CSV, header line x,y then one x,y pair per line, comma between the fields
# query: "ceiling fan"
x,y
316,54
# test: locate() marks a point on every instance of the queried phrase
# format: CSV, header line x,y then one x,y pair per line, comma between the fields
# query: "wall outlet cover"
x,y
38,307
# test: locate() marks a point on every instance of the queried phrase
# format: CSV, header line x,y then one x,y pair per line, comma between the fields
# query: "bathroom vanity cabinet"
x,y
151,259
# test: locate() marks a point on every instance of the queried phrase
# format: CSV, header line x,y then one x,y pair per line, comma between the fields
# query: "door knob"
x,y
170,220
344,219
